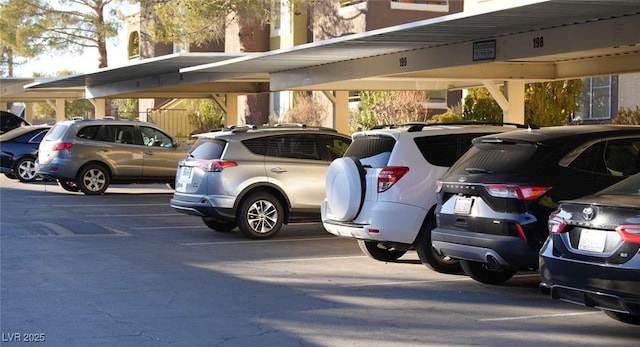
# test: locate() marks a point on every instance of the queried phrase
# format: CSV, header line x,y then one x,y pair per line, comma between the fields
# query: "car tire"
x,y
378,252
428,255
345,188
486,273
93,179
218,225
25,169
260,216
623,317
68,185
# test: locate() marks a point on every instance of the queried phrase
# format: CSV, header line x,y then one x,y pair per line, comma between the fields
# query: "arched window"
x,y
134,45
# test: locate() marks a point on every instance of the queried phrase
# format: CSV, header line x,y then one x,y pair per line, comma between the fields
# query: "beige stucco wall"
x,y
628,86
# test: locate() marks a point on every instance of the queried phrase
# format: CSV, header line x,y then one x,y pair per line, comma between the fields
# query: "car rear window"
x,y
498,158
207,149
369,146
56,132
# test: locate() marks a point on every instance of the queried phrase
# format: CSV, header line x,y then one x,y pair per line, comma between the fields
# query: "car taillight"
x,y
515,191
61,146
629,232
389,176
216,165
556,224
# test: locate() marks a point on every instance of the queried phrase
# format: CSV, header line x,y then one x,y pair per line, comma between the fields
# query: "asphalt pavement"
x,y
124,269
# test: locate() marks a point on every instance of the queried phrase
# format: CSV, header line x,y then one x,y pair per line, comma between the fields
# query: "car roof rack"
x,y
420,126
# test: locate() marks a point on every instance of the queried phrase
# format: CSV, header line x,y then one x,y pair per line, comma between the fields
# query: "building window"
x,y
597,100
421,5
134,45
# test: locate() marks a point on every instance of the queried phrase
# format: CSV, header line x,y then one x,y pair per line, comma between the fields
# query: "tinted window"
x,y
88,133
439,150
117,133
369,146
629,186
497,158
336,146
32,136
257,146
295,146
622,157
207,149
589,160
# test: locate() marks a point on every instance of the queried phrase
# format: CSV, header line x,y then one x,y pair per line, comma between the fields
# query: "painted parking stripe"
x,y
172,227
306,259
404,282
255,242
538,316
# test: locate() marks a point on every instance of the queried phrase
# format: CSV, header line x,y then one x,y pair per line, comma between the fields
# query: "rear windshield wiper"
x,y
477,170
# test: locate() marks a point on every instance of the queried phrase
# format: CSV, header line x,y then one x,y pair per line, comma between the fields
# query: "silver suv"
x,y
257,178
383,192
88,155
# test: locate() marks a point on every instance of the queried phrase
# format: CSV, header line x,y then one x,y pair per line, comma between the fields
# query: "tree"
x,y
389,107
126,108
199,21
19,37
204,114
627,116
305,110
546,104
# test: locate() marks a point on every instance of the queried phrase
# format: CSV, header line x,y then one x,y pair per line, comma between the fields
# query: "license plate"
x,y
186,175
462,205
592,240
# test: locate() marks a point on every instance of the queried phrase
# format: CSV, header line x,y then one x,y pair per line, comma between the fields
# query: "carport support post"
x,y
28,111
233,117
340,101
513,104
60,111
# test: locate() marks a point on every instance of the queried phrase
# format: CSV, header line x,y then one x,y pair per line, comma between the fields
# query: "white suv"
x,y
382,192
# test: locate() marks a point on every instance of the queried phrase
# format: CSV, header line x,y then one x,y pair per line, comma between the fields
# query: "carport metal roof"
x,y
534,40
12,89
156,78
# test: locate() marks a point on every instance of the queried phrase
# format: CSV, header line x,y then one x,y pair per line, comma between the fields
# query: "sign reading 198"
x,y
538,42
403,61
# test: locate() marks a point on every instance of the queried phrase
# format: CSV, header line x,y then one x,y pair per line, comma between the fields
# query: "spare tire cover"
x,y
345,188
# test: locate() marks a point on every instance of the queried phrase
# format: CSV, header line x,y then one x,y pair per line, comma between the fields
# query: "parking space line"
x,y
538,316
130,215
110,205
306,259
404,282
173,227
254,241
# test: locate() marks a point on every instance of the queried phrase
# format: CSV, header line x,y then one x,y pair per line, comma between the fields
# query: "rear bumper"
x,y
484,248
203,206
383,222
614,288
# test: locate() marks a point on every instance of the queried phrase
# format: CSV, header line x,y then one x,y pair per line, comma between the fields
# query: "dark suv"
x,y
495,201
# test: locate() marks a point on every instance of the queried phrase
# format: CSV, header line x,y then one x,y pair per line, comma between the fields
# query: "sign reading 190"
x,y
538,42
403,61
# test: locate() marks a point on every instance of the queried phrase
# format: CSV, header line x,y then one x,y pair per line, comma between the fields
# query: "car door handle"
x,y
278,170
148,153
105,149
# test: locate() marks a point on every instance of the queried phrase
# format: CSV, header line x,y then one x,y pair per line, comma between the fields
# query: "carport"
x,y
509,44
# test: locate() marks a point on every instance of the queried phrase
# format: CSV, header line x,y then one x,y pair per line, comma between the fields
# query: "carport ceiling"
x,y
12,90
575,38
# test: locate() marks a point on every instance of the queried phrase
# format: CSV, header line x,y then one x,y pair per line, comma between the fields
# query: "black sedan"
x,y
19,151
592,254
